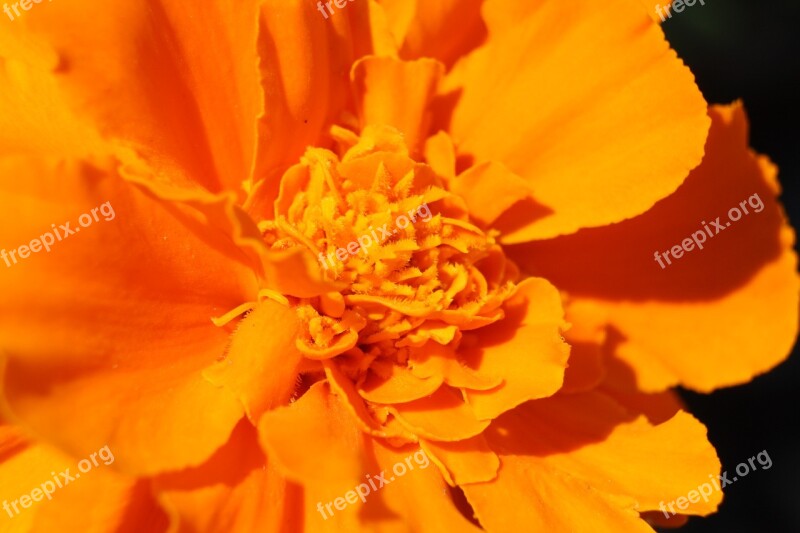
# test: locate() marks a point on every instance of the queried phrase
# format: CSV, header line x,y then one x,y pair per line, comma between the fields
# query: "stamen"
x,y
415,268
233,313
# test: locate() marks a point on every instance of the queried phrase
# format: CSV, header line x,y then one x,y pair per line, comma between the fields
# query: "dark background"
x,y
750,49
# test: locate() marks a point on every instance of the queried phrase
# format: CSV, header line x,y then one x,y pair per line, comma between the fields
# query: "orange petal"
x,y
425,29
131,348
186,102
581,175
437,360
489,190
440,154
305,61
406,494
466,461
657,407
397,93
443,416
303,437
659,12
237,490
419,497
54,485
537,497
396,384
586,336
591,437
217,210
717,316
294,272
532,327
262,364
586,370
35,116
363,414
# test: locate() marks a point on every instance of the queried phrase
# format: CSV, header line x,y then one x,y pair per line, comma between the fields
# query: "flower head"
x,y
363,260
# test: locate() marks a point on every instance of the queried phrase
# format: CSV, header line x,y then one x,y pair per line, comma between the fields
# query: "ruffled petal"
x,y
537,497
237,490
587,453
419,499
305,58
586,337
425,29
397,93
35,117
443,416
467,461
42,487
178,83
716,316
302,438
398,492
392,383
525,349
131,347
262,364
591,437
490,189
294,272
581,175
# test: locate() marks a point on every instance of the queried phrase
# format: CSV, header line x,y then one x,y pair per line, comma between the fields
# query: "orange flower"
x,y
342,244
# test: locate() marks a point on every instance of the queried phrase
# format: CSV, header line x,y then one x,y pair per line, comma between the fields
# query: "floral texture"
x,y
246,372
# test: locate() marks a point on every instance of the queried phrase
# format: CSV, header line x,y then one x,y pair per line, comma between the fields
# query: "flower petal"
x,y
581,175
262,364
467,461
35,116
437,360
188,106
425,29
114,502
396,384
420,498
130,349
717,316
302,438
537,497
532,326
397,93
305,61
489,190
294,272
364,414
593,438
237,490
443,416
588,454
585,336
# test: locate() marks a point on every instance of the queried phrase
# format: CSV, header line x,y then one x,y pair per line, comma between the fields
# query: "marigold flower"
x,y
344,242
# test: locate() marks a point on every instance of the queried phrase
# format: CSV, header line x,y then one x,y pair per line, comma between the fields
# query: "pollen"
x,y
409,265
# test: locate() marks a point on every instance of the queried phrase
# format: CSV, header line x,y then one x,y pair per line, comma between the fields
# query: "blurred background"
x,y
750,49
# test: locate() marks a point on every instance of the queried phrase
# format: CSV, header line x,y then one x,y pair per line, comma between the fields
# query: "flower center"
x,y
411,267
